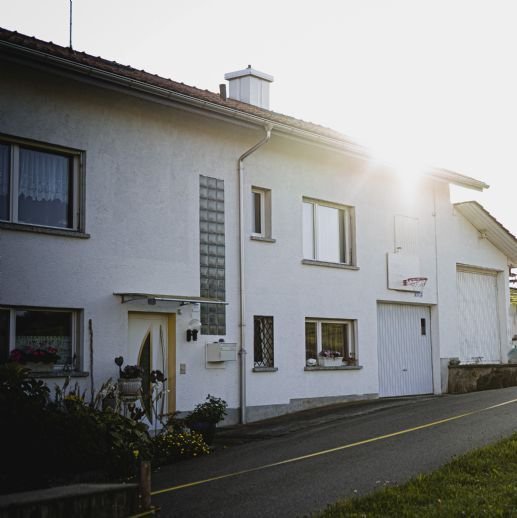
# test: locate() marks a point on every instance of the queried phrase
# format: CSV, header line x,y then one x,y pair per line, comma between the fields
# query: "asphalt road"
x,y
422,435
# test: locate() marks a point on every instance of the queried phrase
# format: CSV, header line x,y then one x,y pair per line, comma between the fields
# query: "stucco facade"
x,y
142,159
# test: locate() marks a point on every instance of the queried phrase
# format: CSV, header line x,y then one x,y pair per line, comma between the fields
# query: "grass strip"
x,y
480,483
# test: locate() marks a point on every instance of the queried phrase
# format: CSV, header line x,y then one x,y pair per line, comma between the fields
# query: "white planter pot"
x,y
330,362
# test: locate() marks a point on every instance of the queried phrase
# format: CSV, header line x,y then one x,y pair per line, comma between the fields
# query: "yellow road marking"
x,y
330,450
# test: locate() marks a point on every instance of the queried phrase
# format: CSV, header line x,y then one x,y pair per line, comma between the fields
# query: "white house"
x,y
126,199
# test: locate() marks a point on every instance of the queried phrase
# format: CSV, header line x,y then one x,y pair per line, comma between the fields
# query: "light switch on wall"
x,y
183,368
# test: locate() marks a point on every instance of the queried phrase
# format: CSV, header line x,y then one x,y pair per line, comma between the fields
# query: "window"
x,y
39,186
263,341
261,212
327,232
212,254
330,335
24,328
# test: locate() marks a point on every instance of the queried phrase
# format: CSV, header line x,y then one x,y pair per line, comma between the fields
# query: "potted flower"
x,y
351,360
130,379
40,359
330,358
205,416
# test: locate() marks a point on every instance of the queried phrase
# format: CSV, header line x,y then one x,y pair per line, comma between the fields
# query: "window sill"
x,y
43,230
265,369
263,239
313,262
343,368
59,374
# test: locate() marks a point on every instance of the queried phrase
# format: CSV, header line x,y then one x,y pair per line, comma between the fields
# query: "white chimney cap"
x,y
249,72
250,86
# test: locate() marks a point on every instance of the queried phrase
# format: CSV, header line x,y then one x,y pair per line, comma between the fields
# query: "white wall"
x,y
143,162
460,243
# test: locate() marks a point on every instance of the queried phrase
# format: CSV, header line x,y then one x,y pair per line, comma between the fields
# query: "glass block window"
x,y
212,254
263,341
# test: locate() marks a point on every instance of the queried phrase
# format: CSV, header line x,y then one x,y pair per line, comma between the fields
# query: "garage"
x,y
404,349
478,316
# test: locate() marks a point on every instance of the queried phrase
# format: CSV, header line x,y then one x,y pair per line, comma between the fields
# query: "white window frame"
x,y
14,172
265,212
351,332
347,224
74,330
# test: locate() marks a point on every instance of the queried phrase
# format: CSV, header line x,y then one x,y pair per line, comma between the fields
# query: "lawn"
x,y
480,483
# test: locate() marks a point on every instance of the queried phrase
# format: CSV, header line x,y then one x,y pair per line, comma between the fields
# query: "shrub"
x,y
212,410
67,440
174,445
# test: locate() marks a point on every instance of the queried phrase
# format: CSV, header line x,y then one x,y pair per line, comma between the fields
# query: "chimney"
x,y
250,86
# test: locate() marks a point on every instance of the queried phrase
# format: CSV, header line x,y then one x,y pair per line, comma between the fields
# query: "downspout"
x,y
242,290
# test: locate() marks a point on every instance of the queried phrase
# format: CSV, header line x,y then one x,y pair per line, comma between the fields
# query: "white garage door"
x,y
478,316
404,338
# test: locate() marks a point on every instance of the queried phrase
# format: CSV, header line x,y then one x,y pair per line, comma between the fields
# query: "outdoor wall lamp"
x,y
194,327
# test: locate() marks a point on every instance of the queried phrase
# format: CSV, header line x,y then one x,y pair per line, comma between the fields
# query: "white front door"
x,y
404,350
148,346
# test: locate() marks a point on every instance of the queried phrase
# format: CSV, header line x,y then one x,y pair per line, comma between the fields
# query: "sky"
x,y
428,82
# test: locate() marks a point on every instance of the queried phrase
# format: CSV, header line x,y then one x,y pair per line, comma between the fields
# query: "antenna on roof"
x,y
70,23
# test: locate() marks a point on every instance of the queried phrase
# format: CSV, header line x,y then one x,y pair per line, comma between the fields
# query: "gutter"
x,y
242,287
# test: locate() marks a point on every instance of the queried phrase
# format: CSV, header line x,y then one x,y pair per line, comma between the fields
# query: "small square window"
x,y
40,329
332,337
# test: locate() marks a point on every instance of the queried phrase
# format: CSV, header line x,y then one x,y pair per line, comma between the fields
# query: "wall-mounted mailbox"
x,y
219,352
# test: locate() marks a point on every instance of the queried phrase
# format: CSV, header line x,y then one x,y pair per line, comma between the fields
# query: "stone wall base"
x,y
474,377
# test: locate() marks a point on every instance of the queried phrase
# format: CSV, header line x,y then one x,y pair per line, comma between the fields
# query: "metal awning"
x,y
152,298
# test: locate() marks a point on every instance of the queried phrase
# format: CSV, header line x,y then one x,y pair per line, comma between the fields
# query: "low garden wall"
x,y
474,377
79,501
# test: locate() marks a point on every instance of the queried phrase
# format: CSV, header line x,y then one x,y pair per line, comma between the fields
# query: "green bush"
x,y
46,443
177,444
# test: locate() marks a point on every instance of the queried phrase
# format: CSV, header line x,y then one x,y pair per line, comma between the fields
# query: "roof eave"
x,y
490,228
229,113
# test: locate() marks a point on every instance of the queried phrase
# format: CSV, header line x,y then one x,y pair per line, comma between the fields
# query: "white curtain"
x,y
43,176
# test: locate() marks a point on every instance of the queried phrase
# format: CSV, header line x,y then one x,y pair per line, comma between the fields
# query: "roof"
x,y
66,59
490,228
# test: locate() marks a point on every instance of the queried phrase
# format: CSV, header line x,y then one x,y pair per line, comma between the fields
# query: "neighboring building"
x,y
120,197
513,315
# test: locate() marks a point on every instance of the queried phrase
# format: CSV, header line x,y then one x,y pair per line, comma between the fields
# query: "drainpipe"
x,y
242,350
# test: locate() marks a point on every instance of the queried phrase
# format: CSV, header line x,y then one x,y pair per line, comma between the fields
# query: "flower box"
x,y
324,361
39,366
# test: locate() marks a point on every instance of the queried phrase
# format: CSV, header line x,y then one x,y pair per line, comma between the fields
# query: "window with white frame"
x,y
261,212
330,335
327,232
39,185
29,328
